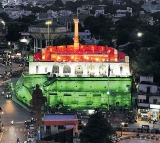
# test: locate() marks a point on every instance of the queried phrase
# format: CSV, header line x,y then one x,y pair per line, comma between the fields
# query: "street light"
x,y
108,92
26,42
49,22
3,22
122,125
139,34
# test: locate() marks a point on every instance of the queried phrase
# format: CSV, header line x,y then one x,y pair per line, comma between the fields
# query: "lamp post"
x,y
8,54
48,23
122,125
25,53
108,92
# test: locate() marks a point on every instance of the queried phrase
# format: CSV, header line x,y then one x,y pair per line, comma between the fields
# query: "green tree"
x,y
97,130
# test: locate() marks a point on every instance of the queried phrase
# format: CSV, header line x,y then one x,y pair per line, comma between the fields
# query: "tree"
x,y
14,30
97,130
146,62
1,5
37,101
29,20
5,16
59,3
100,27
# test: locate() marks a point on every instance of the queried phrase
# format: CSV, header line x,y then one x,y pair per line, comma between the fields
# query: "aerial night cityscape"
x,y
80,71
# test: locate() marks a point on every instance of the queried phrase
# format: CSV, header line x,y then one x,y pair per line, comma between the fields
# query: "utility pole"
x,y
48,23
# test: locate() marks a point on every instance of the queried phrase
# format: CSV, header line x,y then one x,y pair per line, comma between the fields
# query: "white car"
x,y
31,127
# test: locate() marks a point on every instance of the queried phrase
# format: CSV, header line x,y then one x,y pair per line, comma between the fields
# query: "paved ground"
x,y
138,141
15,69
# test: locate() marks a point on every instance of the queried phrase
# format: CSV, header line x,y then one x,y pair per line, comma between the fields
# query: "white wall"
x,y
115,68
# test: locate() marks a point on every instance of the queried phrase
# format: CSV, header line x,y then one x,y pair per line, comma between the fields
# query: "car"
x,y
144,114
31,127
131,119
145,129
8,95
30,138
155,130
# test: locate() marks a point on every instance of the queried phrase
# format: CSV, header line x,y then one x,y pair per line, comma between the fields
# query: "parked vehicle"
x,y
8,95
131,119
155,131
145,129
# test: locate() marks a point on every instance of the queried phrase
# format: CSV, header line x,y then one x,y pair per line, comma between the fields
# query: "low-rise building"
x,y
148,99
121,13
54,123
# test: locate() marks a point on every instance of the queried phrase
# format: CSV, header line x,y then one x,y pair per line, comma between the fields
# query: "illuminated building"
x,y
79,76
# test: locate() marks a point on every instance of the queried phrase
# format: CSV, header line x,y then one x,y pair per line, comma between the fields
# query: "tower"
x,y
76,36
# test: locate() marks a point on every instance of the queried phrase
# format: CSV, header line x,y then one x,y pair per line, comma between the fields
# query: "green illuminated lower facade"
x,y
77,92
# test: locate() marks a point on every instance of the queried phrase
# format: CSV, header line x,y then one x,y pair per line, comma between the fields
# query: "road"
x,y
14,112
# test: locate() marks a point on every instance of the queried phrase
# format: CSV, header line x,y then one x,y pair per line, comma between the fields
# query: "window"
x,y
37,69
121,70
154,101
61,127
148,89
46,70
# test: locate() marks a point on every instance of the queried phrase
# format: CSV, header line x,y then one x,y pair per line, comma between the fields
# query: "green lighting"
x,y
77,93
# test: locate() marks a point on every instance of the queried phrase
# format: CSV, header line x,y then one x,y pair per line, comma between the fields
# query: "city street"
x,y
11,111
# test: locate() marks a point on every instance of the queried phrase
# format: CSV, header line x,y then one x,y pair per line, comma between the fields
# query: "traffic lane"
x,y
140,123
19,115
12,111
11,133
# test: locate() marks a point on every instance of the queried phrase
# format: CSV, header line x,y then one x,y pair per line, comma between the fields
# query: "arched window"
x,y
102,70
66,69
55,69
121,69
78,69
91,70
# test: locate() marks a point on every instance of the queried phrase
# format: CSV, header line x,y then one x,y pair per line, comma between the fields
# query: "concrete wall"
x,y
96,69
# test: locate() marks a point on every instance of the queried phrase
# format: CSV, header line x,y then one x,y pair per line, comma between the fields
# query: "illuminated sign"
x,y
154,106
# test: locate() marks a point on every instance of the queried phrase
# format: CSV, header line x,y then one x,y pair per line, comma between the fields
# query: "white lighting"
x,y
24,40
91,111
139,34
108,92
3,22
154,106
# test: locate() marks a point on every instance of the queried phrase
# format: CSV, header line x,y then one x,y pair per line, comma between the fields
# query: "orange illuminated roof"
x,y
85,53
